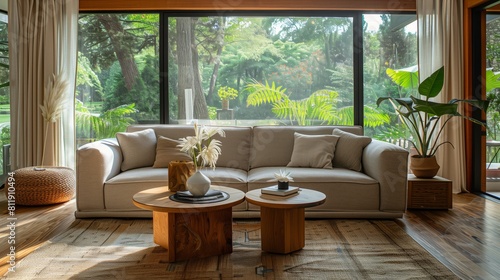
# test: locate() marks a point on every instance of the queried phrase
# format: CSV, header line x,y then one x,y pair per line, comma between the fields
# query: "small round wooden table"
x,y
190,230
282,218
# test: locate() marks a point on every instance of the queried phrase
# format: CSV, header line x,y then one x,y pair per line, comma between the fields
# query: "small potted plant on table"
x,y
283,178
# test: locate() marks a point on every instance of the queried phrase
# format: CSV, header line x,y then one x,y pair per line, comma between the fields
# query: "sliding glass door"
x,y
492,84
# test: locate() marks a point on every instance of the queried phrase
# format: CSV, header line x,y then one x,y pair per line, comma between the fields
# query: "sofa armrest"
x,y
96,163
388,164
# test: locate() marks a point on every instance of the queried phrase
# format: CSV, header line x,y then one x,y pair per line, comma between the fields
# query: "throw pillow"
x,y
349,149
167,151
138,148
313,150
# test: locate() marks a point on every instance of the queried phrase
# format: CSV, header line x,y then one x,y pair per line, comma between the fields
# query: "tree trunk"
x,y
184,61
200,102
123,51
215,72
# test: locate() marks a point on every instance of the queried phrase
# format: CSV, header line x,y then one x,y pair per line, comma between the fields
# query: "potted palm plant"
x,y
426,120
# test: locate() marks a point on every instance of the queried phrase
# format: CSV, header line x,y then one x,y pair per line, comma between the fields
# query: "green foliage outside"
x,y
493,114
321,107
309,57
105,125
4,93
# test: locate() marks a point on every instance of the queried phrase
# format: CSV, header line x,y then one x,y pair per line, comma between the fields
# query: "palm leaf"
x,y
406,77
492,80
261,94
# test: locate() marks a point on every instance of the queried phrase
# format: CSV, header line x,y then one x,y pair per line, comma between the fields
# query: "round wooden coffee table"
x,y
189,230
282,218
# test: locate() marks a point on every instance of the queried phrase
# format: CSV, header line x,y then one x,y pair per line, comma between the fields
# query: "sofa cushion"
x,y
345,189
138,148
273,145
349,150
167,151
225,176
313,175
313,150
235,146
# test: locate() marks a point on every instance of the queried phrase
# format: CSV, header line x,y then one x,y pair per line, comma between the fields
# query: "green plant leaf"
x,y
405,101
433,84
492,80
480,104
405,77
434,108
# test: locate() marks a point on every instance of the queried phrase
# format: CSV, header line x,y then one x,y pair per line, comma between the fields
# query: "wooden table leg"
x,y
194,235
282,230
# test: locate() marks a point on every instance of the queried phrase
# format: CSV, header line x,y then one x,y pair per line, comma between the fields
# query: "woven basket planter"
x,y
42,187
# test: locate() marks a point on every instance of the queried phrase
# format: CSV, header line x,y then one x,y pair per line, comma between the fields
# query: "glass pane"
x,y
492,93
261,70
390,42
118,73
4,99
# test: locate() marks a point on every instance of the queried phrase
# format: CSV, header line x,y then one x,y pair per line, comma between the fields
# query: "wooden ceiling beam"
x,y
246,5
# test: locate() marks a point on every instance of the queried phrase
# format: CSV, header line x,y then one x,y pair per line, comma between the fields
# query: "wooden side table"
x,y
282,218
435,193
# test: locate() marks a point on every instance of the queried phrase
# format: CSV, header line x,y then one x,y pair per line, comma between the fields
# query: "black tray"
x,y
200,200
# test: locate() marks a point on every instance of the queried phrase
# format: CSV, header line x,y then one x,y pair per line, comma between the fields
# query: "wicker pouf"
x,y
47,186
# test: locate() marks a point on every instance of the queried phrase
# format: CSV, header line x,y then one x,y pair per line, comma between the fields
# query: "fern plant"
x,y
321,106
105,125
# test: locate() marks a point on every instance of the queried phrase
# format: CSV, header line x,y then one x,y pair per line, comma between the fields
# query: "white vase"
x,y
198,184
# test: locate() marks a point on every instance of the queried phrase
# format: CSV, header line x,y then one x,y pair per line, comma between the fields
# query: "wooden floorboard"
x,y
466,239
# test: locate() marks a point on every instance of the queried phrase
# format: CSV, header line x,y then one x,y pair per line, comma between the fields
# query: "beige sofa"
x,y
250,157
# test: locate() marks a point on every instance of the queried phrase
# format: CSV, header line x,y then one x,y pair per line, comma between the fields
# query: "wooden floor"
x,y
466,239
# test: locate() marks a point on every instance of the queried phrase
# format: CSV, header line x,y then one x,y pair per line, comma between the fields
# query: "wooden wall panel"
x,y
187,5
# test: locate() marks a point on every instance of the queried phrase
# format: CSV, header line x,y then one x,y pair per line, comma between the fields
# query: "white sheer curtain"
x,y
42,42
440,44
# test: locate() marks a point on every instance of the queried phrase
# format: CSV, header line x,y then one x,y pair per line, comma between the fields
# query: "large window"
x,y
118,73
238,68
390,46
291,70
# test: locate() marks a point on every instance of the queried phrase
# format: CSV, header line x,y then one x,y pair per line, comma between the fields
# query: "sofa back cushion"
x,y
349,150
138,148
235,146
273,145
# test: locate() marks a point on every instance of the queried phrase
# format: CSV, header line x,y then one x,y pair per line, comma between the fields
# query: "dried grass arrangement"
x,y
53,103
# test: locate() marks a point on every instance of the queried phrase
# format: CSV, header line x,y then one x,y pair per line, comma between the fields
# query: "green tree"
x,y
88,85
331,35
398,47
